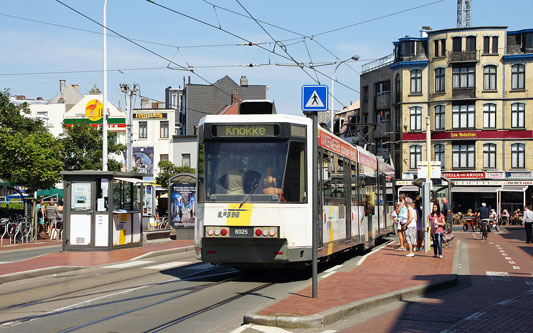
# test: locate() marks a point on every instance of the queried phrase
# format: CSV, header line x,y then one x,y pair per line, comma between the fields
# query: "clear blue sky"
x,y
33,47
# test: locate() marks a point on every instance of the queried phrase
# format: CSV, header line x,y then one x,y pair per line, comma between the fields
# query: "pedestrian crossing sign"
x,y
315,98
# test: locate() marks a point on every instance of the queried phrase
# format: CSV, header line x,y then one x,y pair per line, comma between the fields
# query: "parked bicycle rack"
x,y
3,229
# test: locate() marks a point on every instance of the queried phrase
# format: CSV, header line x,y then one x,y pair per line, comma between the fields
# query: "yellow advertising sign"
x,y
93,110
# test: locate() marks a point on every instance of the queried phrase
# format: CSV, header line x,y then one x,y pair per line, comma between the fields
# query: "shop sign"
x,y
408,175
403,182
479,174
524,174
154,115
477,183
494,175
93,110
519,182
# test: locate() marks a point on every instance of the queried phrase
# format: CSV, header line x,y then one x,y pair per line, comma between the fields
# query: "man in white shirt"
x,y
527,220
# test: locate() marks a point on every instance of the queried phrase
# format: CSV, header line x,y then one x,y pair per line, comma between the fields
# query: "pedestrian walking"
x,y
410,227
527,220
420,242
402,220
40,216
447,212
51,214
436,223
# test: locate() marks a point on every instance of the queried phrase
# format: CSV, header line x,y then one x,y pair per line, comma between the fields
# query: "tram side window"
x,y
294,184
355,192
327,170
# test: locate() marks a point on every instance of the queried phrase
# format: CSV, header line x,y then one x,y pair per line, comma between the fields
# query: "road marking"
x,y
260,328
502,251
498,276
327,275
168,265
4,262
511,262
475,315
516,267
360,262
507,301
129,264
334,268
491,243
505,254
507,258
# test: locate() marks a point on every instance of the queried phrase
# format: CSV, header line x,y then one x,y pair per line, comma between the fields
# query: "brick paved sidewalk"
x,y
382,272
87,259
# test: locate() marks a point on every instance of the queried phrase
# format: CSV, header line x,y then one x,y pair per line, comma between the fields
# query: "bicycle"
x,y
484,229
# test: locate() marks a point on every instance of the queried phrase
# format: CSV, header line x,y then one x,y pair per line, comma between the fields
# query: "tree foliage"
x,y
30,155
83,148
167,170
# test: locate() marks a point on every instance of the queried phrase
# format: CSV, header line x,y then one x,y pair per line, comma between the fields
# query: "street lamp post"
x,y
104,111
354,58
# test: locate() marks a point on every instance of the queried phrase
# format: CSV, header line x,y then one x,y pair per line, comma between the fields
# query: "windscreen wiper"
x,y
250,194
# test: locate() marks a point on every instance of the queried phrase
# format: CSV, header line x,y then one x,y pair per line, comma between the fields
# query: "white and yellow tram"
x,y
255,190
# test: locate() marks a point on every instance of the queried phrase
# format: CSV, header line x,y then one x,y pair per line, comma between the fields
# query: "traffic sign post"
x,y
315,99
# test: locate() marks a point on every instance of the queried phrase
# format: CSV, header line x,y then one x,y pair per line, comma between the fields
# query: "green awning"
x,y
50,192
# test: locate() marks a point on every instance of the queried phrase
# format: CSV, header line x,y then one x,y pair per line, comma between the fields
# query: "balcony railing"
x,y
381,62
463,56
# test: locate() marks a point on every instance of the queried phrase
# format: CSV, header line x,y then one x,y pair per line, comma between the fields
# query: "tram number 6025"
x,y
241,231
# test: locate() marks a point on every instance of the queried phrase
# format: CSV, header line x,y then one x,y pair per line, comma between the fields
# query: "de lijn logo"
x,y
230,213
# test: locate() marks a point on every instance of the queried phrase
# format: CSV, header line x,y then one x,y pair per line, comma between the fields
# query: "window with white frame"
x,y
518,77
440,80
416,81
143,129
415,156
439,117
489,77
518,114
464,77
43,116
416,118
489,115
518,154
186,160
163,129
463,116
440,153
463,156
489,155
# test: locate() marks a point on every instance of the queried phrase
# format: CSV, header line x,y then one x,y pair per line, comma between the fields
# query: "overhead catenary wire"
x,y
242,38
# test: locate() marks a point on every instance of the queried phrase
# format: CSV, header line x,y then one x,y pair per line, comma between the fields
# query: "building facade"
x,y
473,86
194,101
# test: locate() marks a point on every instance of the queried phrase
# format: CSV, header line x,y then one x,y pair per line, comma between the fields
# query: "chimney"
x,y
145,103
244,81
62,91
236,97
154,105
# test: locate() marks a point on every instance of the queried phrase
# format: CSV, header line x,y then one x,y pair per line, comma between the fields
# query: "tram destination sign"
x,y
244,130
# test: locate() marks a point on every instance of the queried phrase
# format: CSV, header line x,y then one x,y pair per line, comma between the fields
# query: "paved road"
x,y
171,293
24,254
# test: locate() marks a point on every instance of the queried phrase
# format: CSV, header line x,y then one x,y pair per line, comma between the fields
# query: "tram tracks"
x,y
209,273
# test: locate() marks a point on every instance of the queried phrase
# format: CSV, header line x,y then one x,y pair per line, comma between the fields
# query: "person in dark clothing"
x,y
447,212
483,211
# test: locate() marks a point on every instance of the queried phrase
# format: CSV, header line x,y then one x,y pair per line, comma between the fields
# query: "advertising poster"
x,y
183,204
143,158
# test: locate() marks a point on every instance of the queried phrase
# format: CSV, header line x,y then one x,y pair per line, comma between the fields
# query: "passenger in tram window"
x,y
234,182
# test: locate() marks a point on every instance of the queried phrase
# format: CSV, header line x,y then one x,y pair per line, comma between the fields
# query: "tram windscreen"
x,y
252,171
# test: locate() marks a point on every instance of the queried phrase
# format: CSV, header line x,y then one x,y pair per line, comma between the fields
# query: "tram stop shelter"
x,y
102,210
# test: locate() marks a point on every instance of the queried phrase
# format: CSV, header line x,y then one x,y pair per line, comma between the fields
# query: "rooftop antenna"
x,y
464,11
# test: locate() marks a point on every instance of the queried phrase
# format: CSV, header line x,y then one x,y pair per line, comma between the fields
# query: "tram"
x,y
255,189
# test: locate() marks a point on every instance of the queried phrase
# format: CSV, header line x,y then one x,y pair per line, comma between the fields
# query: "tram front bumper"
x,y
250,251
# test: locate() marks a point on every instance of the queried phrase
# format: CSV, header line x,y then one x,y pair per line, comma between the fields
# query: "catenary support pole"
x,y
104,111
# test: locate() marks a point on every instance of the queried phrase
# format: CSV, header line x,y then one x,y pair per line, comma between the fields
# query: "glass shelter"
x,y
103,210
